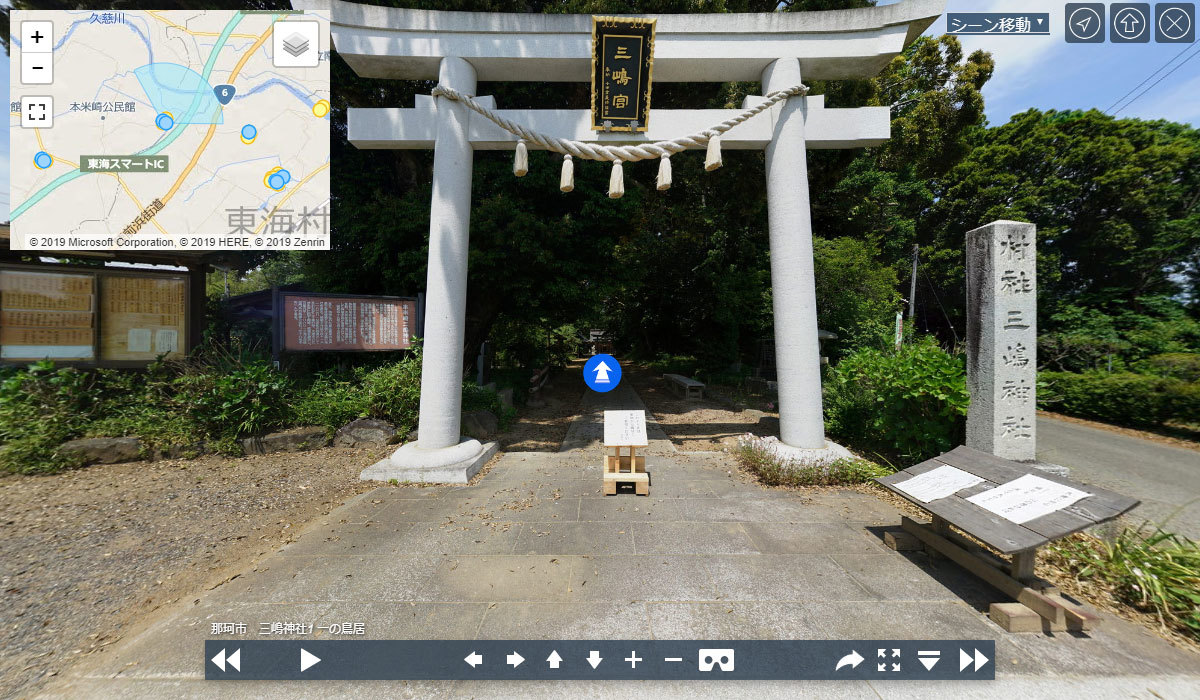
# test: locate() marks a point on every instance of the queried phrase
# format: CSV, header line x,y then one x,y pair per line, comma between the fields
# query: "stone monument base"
x,y
1049,468
822,456
448,465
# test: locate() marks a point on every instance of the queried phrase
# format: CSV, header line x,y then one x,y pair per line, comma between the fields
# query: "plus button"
x,y
633,659
37,36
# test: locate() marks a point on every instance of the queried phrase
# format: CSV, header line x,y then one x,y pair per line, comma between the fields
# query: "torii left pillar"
x,y
440,454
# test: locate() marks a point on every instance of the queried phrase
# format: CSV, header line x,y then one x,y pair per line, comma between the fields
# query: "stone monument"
x,y
1002,339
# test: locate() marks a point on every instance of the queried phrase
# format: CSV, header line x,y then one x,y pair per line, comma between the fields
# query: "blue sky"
x,y
1031,71
1048,73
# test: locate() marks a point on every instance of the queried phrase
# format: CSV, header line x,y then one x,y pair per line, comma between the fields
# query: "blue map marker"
x,y
602,373
224,93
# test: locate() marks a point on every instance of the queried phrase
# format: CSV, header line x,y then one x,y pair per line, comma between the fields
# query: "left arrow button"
x,y
307,660
474,658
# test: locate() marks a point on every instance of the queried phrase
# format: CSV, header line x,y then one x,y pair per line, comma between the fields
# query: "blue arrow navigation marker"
x,y
224,93
602,373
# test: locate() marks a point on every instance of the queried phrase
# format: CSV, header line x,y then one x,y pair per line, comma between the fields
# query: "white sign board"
x,y
623,428
1027,498
938,483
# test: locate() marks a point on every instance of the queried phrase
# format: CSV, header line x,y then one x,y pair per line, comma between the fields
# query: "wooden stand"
x,y
1039,606
625,469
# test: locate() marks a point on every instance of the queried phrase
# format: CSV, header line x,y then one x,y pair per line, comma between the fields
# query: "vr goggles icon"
x,y
722,658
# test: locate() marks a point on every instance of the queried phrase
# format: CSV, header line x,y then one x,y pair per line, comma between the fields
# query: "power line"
x,y
937,299
1148,77
1156,82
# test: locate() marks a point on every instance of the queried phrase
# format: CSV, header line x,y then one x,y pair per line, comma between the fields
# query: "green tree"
x,y
1116,201
856,296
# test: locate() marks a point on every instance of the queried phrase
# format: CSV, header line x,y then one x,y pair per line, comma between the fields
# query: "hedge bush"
x,y
906,405
213,397
1124,398
1179,365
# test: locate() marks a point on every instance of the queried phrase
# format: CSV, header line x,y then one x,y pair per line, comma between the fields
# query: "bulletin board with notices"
x,y
96,317
47,315
143,317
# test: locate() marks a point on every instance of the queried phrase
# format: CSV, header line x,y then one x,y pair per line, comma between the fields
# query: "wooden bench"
x,y
685,387
1039,606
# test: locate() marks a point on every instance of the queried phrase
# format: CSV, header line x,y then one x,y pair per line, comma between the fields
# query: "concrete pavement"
x,y
1165,478
532,550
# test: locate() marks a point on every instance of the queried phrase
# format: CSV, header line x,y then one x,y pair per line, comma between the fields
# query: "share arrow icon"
x,y
853,659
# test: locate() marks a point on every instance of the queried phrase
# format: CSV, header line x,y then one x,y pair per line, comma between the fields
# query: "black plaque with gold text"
x,y
622,69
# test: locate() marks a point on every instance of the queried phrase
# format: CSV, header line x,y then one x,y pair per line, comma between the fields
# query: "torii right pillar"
x,y
793,282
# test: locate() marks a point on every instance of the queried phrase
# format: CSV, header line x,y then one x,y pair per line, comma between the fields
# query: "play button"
x,y
307,660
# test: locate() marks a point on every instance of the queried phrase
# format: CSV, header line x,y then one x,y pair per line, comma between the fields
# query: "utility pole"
x,y
912,289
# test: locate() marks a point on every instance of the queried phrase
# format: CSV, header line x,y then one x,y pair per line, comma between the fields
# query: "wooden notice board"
x,y
345,322
1004,535
144,317
46,315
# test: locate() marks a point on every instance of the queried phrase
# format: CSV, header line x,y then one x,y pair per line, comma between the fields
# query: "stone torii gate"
x,y
461,48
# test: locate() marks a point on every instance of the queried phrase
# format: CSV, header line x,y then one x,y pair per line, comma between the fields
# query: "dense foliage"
x,y
1125,398
1151,569
905,405
211,399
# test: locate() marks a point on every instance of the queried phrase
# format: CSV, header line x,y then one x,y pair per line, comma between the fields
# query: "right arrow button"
x,y
980,659
965,660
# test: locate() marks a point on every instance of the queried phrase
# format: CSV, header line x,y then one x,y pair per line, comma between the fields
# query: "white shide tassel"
x,y
567,182
616,181
712,160
664,172
521,161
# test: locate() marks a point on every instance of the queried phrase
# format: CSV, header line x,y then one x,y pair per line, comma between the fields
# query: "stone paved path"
x,y
534,551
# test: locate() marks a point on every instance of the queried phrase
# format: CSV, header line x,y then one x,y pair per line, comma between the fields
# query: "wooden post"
x,y
1022,565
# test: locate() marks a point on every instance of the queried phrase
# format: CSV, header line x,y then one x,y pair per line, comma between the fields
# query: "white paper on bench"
x,y
938,483
623,428
1026,498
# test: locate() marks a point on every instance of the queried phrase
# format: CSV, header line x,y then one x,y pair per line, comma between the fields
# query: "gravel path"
x,y
86,552
698,425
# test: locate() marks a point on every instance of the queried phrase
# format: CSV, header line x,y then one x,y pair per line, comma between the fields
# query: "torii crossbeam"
x,y
461,48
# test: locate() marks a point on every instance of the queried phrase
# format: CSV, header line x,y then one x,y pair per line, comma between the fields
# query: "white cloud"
x,y
1174,98
1018,58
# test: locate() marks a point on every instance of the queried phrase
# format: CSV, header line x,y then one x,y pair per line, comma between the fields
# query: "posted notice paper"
x,y
1026,498
938,483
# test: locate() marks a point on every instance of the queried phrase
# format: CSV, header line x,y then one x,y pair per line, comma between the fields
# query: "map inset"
x,y
167,130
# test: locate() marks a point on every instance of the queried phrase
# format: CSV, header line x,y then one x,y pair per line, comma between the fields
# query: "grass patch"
x,y
758,455
1153,571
